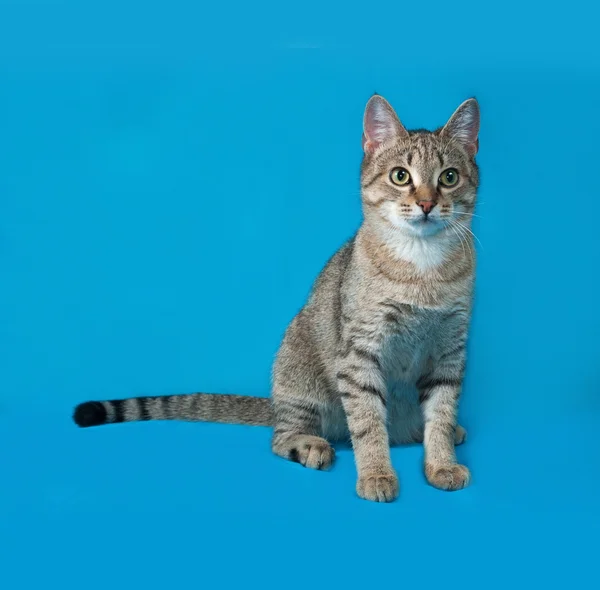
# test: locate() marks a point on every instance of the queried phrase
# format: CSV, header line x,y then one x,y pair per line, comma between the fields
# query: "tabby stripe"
x,y
390,318
427,386
295,416
431,382
392,306
172,406
118,406
376,203
348,345
293,423
372,180
163,404
360,434
195,406
298,406
351,343
458,312
368,388
457,350
144,413
368,356
357,368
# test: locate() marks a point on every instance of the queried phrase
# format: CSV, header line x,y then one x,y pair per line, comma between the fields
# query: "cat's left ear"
x,y
463,126
380,124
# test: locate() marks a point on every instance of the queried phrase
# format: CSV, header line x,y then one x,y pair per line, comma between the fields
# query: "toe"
x,y
378,488
319,456
448,477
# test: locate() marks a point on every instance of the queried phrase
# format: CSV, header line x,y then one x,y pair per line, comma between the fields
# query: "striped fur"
x,y
229,409
377,355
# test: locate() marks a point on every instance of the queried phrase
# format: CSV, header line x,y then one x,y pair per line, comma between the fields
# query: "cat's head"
x,y
419,182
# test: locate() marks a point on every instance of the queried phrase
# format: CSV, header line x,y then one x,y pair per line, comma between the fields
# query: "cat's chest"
x,y
408,345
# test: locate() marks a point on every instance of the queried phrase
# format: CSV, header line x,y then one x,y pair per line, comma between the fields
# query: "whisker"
x,y
471,214
471,232
459,239
461,229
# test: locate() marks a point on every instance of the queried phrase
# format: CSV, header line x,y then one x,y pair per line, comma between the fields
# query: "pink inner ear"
x,y
367,146
470,143
463,126
380,124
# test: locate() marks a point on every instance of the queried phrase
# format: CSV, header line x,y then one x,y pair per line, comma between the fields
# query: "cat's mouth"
x,y
426,225
425,220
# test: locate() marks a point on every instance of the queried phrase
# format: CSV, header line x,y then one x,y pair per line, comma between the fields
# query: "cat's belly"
x,y
404,359
403,366
405,422
404,362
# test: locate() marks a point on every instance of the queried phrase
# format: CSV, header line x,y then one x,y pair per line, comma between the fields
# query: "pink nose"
x,y
427,206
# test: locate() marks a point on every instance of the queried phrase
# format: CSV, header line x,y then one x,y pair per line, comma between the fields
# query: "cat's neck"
x,y
409,258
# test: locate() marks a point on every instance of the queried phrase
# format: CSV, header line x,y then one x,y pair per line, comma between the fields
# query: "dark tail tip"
x,y
89,414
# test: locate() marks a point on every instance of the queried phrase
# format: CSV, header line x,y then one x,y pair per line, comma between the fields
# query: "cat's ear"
x,y
380,124
463,126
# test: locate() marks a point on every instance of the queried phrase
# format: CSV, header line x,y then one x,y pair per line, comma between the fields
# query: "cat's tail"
x,y
203,407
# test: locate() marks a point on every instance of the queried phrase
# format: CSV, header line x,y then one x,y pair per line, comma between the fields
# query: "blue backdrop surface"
x,y
172,178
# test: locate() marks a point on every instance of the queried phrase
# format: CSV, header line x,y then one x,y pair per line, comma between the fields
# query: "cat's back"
x,y
323,310
328,284
311,339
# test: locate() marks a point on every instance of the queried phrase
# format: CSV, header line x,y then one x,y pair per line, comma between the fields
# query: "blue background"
x,y
172,178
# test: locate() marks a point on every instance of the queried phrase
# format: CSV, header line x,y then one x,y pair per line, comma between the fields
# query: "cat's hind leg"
x,y
460,435
299,395
308,450
297,431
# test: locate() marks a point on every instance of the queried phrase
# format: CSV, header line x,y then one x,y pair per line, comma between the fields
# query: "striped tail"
x,y
203,407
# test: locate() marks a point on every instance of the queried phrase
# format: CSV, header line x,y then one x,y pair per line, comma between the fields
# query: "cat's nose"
x,y
427,206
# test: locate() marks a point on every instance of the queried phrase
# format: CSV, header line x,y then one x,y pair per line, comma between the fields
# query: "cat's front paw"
x,y
378,487
447,477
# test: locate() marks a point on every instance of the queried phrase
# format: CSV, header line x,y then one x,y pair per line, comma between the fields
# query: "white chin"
x,y
414,227
420,228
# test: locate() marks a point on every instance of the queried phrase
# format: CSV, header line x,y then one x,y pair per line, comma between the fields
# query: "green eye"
x,y
400,176
449,177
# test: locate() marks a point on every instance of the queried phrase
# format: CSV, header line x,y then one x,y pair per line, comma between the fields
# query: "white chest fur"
x,y
424,253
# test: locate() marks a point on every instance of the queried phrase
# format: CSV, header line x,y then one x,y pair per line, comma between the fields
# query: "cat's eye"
x,y
449,177
400,176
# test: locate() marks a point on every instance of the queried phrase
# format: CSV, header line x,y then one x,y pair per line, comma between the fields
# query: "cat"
x,y
377,354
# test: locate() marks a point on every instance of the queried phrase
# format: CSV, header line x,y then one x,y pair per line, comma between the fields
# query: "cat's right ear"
x,y
463,126
380,124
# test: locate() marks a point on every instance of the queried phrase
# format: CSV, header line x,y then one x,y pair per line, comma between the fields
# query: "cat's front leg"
x,y
439,391
363,392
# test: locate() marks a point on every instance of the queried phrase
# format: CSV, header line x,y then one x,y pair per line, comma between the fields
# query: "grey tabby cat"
x,y
377,354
